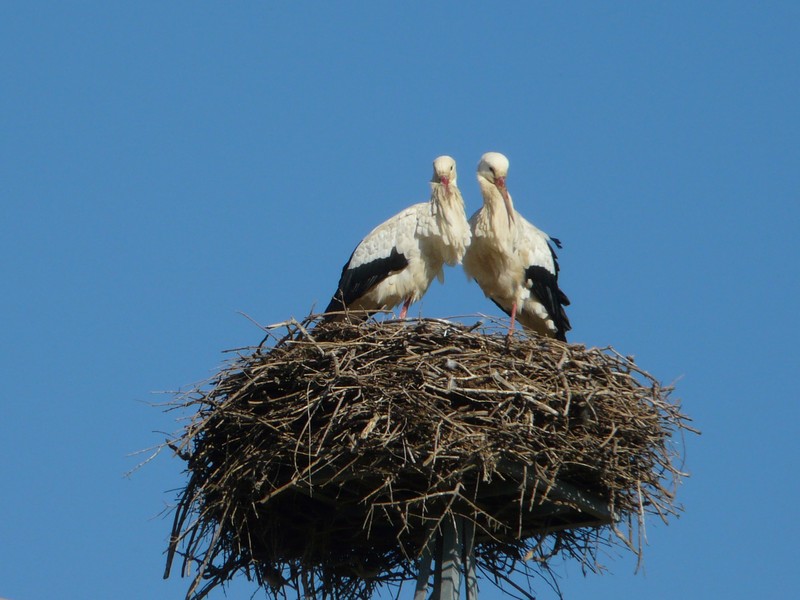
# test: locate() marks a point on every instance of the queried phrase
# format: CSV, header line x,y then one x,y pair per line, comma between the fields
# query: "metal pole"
x,y
454,550
424,572
437,572
452,537
469,560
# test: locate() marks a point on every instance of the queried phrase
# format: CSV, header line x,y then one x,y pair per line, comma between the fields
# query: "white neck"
x,y
448,212
494,206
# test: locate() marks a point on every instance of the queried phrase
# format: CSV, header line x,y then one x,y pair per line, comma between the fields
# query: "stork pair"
x,y
512,261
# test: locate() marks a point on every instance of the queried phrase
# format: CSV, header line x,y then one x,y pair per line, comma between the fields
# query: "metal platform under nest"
x,y
451,553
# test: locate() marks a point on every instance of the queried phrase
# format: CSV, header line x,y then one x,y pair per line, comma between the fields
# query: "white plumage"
x,y
399,259
511,260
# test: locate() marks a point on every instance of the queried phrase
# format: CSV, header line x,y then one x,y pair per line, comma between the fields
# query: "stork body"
x,y
399,259
512,260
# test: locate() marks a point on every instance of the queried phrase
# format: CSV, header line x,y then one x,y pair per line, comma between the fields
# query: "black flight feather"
x,y
544,287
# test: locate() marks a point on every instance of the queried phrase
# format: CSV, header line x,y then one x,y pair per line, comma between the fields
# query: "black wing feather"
x,y
545,288
357,281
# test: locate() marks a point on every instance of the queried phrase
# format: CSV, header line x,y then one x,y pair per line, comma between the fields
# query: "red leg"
x,y
404,310
513,318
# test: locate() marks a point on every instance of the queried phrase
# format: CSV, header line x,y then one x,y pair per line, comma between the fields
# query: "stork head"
x,y
493,167
444,172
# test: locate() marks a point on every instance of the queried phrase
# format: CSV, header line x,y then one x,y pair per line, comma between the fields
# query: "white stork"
x,y
513,261
398,260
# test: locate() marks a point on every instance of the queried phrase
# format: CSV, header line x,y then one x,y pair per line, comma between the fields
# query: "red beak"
x,y
500,182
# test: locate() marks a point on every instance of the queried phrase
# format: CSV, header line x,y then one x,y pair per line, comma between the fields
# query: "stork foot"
x,y
509,337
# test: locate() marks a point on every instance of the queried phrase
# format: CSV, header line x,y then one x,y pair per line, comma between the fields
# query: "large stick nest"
x,y
325,460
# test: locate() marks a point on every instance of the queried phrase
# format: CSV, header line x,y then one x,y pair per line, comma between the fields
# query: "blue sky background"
x,y
166,165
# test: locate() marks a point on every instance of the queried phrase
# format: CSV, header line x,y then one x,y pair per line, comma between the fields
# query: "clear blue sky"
x,y
165,165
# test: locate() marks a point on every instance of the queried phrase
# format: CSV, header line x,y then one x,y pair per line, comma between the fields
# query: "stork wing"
x,y
541,271
385,250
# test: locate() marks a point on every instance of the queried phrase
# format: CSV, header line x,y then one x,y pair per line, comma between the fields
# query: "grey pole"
x,y
452,538
454,550
469,560
424,568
